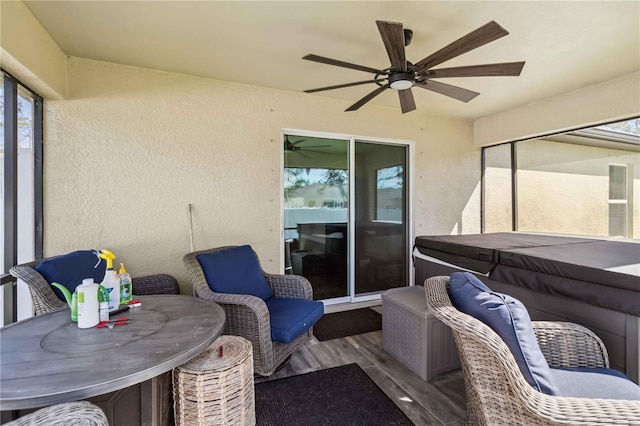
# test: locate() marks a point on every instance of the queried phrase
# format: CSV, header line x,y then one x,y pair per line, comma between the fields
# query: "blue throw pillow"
x,y
235,271
510,320
71,268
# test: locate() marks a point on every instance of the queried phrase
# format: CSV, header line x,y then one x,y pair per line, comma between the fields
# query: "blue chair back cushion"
x,y
71,268
510,320
584,382
235,271
292,317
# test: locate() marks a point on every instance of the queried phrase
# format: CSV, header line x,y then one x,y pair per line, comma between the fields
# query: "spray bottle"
x,y
111,281
126,295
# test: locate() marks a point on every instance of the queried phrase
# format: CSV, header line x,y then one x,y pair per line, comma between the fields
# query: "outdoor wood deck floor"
x,y
439,402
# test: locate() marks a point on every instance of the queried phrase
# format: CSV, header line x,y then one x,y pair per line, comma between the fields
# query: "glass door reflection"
x,y
316,195
381,217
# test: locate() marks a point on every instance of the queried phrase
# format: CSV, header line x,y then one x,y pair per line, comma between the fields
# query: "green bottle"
x,y
126,289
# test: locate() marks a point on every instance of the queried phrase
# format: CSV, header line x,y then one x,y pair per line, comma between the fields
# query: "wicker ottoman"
x,y
216,390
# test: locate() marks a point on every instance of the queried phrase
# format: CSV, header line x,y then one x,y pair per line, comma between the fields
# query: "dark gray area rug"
x,y
347,323
336,396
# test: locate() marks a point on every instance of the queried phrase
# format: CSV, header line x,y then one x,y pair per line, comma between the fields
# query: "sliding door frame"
x,y
409,181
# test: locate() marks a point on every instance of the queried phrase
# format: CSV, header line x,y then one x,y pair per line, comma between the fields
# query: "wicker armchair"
x,y
45,300
155,284
496,391
248,316
81,413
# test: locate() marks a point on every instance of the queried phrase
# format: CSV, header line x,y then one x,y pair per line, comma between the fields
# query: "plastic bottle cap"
x,y
108,256
122,269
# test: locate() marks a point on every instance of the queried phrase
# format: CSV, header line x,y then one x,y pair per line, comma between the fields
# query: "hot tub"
x,y
590,281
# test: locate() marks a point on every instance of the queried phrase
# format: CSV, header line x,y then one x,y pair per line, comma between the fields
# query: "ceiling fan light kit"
x,y
401,80
402,75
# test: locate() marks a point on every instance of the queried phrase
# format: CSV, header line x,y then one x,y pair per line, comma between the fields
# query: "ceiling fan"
x,y
293,147
402,75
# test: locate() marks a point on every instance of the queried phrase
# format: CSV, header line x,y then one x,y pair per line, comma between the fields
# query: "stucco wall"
x,y
561,188
565,188
29,53
497,184
131,148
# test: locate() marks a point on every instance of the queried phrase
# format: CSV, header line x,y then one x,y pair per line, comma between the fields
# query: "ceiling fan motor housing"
x,y
401,80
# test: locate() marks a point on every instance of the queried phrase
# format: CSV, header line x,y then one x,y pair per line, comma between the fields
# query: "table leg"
x,y
156,403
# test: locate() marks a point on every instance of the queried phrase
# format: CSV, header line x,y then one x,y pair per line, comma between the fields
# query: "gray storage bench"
x,y
414,336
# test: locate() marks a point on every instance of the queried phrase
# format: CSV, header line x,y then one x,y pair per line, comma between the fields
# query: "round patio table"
x,y
47,359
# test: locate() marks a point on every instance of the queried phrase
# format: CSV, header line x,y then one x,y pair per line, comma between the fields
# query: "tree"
x,y
390,177
25,121
294,179
336,178
630,127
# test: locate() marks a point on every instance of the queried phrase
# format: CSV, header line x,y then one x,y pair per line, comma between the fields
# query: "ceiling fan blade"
x,y
406,100
487,70
294,143
316,151
301,154
368,98
483,35
337,63
340,86
393,38
455,92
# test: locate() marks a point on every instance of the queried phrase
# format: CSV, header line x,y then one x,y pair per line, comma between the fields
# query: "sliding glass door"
x,y
316,213
346,215
380,217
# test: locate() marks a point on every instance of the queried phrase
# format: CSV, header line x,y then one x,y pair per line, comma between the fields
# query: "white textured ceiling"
x,y
567,45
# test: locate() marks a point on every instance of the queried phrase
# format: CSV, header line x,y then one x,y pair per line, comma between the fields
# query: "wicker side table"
x,y
216,390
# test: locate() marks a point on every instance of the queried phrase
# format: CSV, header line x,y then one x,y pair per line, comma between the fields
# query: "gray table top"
x,y
47,359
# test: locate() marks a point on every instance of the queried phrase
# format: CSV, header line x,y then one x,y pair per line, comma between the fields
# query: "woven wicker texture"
x,y
216,390
45,301
498,394
155,284
248,316
81,413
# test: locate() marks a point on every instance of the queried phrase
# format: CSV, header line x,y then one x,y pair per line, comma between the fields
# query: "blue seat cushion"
x,y
509,318
292,317
71,268
235,271
583,382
